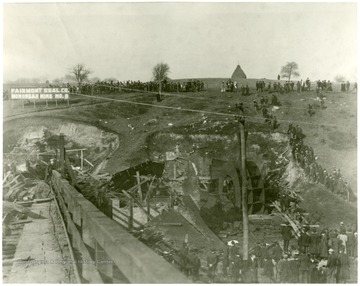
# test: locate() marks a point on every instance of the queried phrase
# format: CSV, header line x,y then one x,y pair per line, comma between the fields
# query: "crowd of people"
x,y
264,105
111,86
192,85
345,86
324,256
233,86
304,156
320,256
229,86
287,87
324,85
260,86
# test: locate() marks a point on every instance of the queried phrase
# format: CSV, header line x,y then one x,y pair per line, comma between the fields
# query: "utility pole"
x,y
244,197
62,154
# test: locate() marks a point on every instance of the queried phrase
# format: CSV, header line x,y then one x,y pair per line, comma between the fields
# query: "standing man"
x,y
49,169
212,261
226,260
235,268
286,234
323,246
276,252
283,269
343,240
347,86
342,227
343,267
253,267
314,242
223,86
184,251
332,267
350,243
304,265
195,265
356,245
304,241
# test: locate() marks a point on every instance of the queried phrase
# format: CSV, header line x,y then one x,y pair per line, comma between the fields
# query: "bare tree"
x,y
160,73
80,73
290,69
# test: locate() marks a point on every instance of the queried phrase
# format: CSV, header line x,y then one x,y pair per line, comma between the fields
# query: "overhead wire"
x,y
192,97
250,118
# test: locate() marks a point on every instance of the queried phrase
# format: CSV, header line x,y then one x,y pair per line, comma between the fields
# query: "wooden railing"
x,y
109,253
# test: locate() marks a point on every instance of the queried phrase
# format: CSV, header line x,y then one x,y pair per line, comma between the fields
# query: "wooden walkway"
x,y
42,254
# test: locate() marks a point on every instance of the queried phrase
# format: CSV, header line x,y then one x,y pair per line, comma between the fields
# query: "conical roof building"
x,y
238,73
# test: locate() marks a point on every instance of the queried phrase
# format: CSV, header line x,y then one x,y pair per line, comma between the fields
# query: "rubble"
x,y
40,191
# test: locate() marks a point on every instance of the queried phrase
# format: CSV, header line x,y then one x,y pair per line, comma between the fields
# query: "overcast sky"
x,y
124,41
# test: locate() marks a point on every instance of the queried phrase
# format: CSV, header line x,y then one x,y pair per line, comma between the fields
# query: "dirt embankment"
x,y
323,207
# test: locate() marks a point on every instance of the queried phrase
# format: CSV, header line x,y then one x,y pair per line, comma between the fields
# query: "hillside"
x,y
331,132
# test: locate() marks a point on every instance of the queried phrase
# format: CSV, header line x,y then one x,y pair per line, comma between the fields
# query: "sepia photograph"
x,y
179,142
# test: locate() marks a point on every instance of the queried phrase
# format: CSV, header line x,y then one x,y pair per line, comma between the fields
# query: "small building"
x,y
238,74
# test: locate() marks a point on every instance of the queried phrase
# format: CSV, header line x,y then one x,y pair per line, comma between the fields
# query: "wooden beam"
x,y
138,203
287,218
131,216
88,162
136,186
21,222
139,186
149,189
82,159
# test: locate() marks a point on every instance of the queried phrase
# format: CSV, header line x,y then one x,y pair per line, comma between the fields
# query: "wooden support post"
x,y
148,209
23,104
139,185
34,104
56,102
46,104
171,202
62,154
174,170
131,217
82,158
68,101
147,196
11,101
244,198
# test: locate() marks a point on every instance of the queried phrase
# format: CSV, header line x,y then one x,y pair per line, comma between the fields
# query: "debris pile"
x,y
17,188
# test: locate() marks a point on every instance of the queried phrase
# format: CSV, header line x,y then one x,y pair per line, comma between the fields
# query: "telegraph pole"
x,y
244,195
62,154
